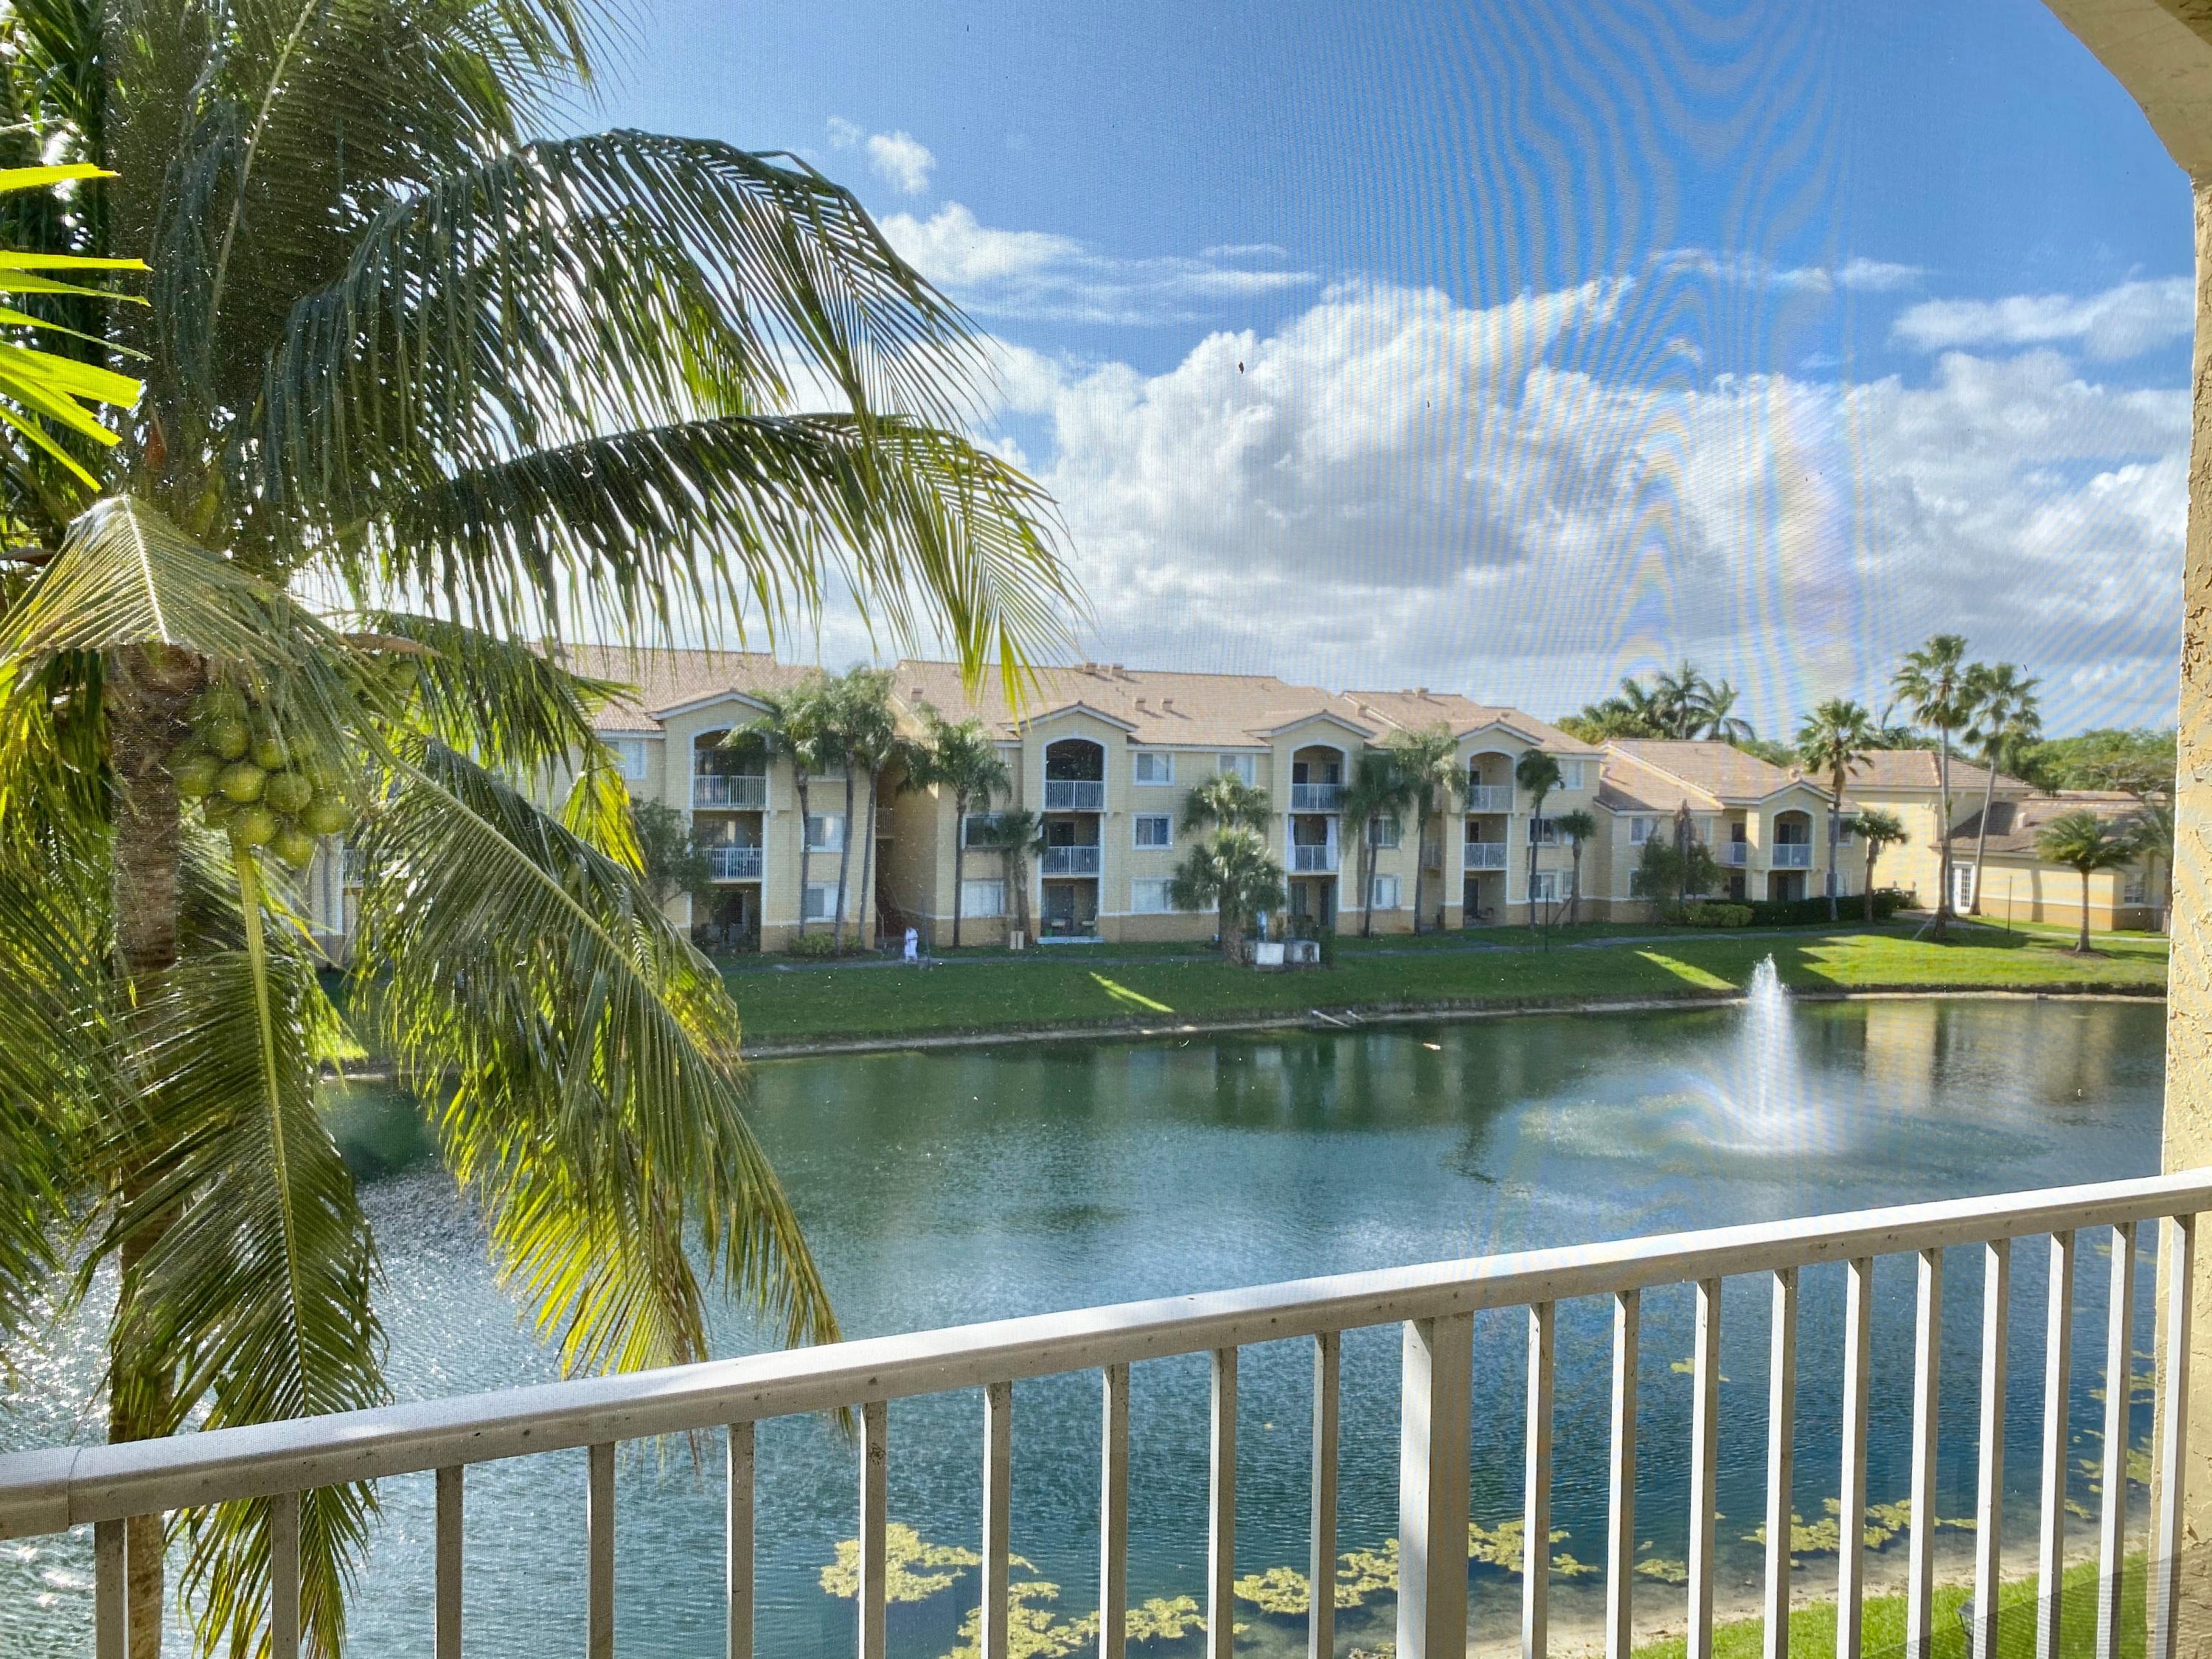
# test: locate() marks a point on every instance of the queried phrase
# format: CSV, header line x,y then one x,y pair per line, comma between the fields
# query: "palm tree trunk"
x,y
844,857
1421,861
805,851
1871,856
1835,841
959,861
147,707
1575,892
1982,836
2081,946
867,866
1943,834
1366,886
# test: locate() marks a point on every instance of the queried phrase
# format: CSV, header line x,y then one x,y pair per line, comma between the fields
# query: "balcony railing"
x,y
1074,795
1484,854
1316,797
743,790
1733,854
1311,860
1490,797
1791,855
1071,860
47,1492
734,863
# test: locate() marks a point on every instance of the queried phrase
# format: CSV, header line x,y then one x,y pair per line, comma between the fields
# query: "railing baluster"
x,y
1114,1516
110,1591
1321,1617
1989,1482
1536,1501
1781,1459
738,1540
2172,1436
285,1576
599,1553
874,1515
1851,1541
997,1494
1705,1459
446,1625
2119,1367
1927,1360
1221,1511
1620,1513
1437,1379
2058,1353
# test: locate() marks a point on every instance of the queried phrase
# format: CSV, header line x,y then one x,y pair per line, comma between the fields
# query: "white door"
x,y
1962,887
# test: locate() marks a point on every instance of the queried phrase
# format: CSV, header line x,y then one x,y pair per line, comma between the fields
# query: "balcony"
x,y
1733,854
1791,855
1483,855
1074,795
1316,797
1071,860
747,791
1490,797
726,863
1443,1350
1312,860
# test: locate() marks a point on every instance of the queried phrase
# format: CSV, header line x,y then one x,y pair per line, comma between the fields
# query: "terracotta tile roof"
x,y
1415,710
1719,771
1226,711
662,680
2014,825
1918,768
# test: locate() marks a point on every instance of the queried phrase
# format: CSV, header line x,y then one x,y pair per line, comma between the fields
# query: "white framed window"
x,y
1246,766
2133,890
1383,893
825,832
1151,896
1544,832
1641,830
820,903
629,757
1545,888
983,898
1383,830
1572,775
1155,766
1153,830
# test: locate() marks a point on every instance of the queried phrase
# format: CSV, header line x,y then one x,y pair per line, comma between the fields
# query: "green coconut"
x,y
287,791
252,826
294,845
195,778
218,702
228,736
267,753
326,815
216,810
242,781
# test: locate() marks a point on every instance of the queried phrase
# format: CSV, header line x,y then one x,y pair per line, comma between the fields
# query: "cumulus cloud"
x,y
899,159
1042,277
2119,322
1856,275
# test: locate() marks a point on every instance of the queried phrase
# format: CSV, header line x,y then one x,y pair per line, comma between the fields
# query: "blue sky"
x,y
1514,347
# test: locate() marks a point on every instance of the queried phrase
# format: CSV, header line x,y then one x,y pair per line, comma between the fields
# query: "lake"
x,y
943,1187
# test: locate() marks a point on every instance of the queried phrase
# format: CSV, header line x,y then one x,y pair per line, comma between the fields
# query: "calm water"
x,y
947,1187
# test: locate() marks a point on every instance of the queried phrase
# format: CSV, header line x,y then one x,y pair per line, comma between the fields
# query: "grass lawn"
x,y
1061,987
1813,1629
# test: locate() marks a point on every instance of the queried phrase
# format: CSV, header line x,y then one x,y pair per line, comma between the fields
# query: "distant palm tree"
x,y
2086,844
1539,773
1577,826
1428,761
2006,719
1233,871
1017,835
1376,793
1834,738
1678,697
1713,719
874,744
795,726
2154,838
1940,687
962,759
1225,801
1878,830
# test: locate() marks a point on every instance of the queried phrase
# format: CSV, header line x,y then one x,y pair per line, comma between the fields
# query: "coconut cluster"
x,y
253,784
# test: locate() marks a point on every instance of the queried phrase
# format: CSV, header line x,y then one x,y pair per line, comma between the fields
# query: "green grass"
x,y
1813,1629
1073,987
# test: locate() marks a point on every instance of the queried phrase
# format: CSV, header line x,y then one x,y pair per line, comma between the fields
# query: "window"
x,y
1845,829
1546,888
983,898
1151,896
825,832
977,828
1382,894
1155,766
629,757
1641,830
821,901
1384,830
2134,891
1154,829
1571,774
1544,832
1246,766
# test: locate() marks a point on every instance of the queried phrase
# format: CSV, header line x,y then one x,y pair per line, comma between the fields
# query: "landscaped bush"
x,y
1716,912
812,945
1813,912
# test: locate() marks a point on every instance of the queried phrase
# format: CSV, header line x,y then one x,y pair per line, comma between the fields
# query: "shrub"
x,y
1716,912
1327,937
823,943
1813,912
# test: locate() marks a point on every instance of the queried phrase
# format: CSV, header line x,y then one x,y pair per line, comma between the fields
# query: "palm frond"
x,y
595,1085
516,707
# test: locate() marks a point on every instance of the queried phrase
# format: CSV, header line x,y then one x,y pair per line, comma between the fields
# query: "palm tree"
x,y
795,726
963,759
872,743
1878,830
1577,826
1834,738
1376,792
2006,719
1016,835
1678,699
1428,762
2087,843
1232,870
1225,801
1939,686
401,349
1539,773
1713,718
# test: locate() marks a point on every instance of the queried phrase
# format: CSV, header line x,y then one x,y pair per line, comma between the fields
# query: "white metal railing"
x,y
1071,860
1483,855
1308,860
50,1491
727,863
1791,855
1316,797
1074,795
1490,797
743,790
1734,855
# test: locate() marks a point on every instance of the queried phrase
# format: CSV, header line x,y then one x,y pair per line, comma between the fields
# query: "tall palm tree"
x,y
1878,830
2087,843
1017,835
1577,826
1713,716
402,349
1232,870
1678,699
963,759
1834,738
1938,685
1428,761
1376,791
795,726
2006,719
1538,773
873,742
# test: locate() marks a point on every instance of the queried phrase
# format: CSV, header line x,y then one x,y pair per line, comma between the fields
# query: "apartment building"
x,y
1907,783
1766,825
2018,884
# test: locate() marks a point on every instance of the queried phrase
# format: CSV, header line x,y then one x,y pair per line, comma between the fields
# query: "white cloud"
x,y
2121,322
1857,274
899,159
